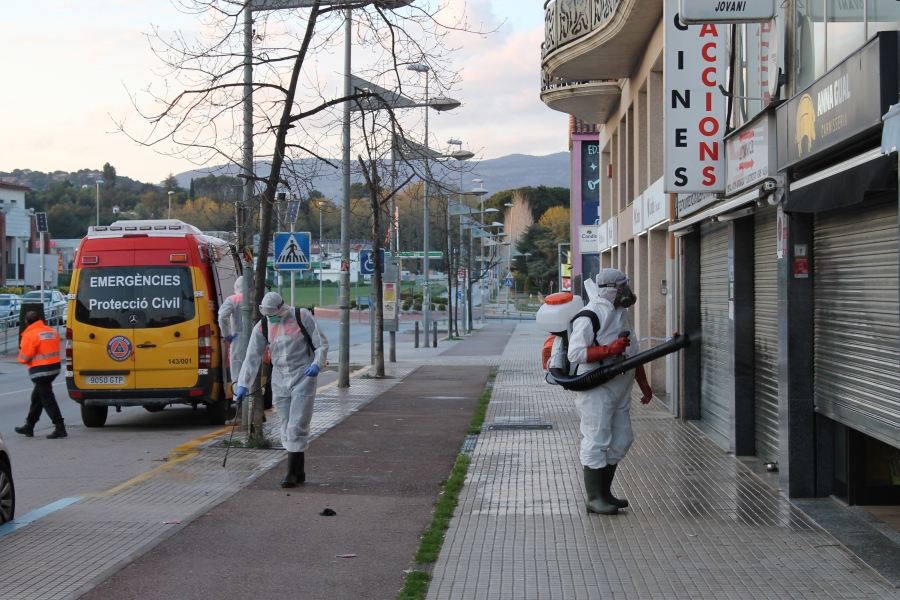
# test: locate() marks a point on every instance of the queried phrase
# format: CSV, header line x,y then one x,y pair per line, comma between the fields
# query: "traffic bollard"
x,y
435,334
417,335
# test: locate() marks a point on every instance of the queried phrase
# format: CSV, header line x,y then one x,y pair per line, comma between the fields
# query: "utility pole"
x,y
344,346
245,236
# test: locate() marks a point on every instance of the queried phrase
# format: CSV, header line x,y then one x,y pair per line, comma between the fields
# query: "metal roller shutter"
x,y
765,336
857,375
715,373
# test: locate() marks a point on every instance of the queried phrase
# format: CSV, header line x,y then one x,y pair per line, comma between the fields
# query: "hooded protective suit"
x,y
293,392
605,416
230,324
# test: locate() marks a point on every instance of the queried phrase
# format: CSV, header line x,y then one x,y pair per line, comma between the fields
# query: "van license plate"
x,y
106,380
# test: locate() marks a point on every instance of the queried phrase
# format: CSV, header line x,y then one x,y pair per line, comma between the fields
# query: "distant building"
x,y
16,228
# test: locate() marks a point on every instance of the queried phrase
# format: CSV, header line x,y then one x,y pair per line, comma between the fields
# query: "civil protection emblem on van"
x,y
119,348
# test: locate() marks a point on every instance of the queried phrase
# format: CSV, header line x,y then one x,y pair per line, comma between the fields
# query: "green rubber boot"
x,y
594,484
299,471
290,480
608,476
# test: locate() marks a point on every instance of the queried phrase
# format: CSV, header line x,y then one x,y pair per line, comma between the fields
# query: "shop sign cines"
x,y
695,66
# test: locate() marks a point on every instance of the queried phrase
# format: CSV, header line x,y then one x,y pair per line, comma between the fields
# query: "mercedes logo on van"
x,y
133,319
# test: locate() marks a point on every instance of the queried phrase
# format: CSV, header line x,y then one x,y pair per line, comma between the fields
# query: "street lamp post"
x,y
321,252
98,183
460,155
169,214
426,289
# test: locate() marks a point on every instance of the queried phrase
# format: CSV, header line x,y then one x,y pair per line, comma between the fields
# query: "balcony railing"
x,y
568,20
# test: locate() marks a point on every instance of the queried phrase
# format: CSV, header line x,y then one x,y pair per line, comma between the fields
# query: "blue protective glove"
x,y
230,338
312,371
240,394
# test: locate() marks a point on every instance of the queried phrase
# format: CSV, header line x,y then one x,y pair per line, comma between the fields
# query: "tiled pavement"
x,y
62,553
701,524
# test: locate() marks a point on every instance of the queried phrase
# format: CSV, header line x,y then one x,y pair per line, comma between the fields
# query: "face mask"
x,y
275,319
628,298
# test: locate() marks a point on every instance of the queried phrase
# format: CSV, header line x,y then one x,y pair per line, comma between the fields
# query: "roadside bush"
x,y
353,304
406,304
442,307
418,297
417,305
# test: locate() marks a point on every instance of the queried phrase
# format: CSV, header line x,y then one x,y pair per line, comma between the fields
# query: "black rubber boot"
x,y
290,480
299,471
59,432
27,429
593,484
608,476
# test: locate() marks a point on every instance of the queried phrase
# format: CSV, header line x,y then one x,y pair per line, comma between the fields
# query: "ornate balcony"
x,y
590,101
596,39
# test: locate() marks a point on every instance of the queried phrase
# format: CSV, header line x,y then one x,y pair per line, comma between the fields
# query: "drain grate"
x,y
519,423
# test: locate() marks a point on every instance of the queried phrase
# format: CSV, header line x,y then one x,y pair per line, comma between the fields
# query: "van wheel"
x,y
93,416
216,412
7,494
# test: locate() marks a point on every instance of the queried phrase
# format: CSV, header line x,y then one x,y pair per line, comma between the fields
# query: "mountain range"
x,y
503,173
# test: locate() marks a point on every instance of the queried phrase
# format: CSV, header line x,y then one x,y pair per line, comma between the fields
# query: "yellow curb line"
x,y
187,450
144,476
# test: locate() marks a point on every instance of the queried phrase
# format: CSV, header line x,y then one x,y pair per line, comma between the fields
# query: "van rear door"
x,y
102,349
166,325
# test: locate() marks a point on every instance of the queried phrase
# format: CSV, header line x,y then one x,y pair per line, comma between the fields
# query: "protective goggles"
x,y
616,284
270,311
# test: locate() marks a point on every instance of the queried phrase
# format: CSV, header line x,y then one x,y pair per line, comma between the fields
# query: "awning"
x,y
843,185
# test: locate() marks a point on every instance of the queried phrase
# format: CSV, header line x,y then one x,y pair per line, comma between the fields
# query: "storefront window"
x,y
845,29
882,15
828,31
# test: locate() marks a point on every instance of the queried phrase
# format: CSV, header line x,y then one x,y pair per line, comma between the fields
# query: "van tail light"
x,y
69,367
205,347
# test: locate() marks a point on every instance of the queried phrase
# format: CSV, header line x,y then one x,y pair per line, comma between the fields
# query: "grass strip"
x,y
481,407
416,585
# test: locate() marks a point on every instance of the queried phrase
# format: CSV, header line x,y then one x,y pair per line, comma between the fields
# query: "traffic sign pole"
x,y
293,300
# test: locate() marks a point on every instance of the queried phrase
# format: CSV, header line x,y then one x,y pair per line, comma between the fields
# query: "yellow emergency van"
x,y
142,327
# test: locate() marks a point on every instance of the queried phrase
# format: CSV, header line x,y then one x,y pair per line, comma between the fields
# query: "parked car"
x,y
7,489
9,310
55,305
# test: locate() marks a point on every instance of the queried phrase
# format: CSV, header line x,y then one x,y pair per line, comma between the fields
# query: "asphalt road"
x,y
95,460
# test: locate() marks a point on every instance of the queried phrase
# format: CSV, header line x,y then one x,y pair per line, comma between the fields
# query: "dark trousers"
x,y
42,398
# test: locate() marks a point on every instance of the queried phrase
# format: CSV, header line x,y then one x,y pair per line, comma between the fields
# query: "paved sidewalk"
x,y
702,525
66,552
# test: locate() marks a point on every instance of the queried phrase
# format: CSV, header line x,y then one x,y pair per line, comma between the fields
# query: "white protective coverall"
x,y
293,393
231,322
605,410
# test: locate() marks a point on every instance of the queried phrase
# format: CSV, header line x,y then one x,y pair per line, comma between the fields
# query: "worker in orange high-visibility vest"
x,y
39,349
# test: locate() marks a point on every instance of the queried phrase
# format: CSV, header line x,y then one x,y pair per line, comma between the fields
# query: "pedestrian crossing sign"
x,y
292,251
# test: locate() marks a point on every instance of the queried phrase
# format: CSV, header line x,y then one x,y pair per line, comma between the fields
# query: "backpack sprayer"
x,y
556,315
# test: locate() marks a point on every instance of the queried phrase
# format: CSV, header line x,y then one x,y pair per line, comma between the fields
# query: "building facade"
x,y
787,276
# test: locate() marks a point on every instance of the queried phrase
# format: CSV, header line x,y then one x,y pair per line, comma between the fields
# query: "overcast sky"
x,y
68,66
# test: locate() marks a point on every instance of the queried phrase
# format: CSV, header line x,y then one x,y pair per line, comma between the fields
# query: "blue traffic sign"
x,y
292,251
458,295
367,262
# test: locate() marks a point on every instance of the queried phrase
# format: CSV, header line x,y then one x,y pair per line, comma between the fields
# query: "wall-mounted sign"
x,y
727,11
637,215
590,171
588,238
690,203
842,107
602,237
612,232
748,155
656,204
695,65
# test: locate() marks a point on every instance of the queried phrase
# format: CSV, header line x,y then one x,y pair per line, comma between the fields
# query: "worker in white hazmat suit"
x,y
298,349
230,324
605,409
